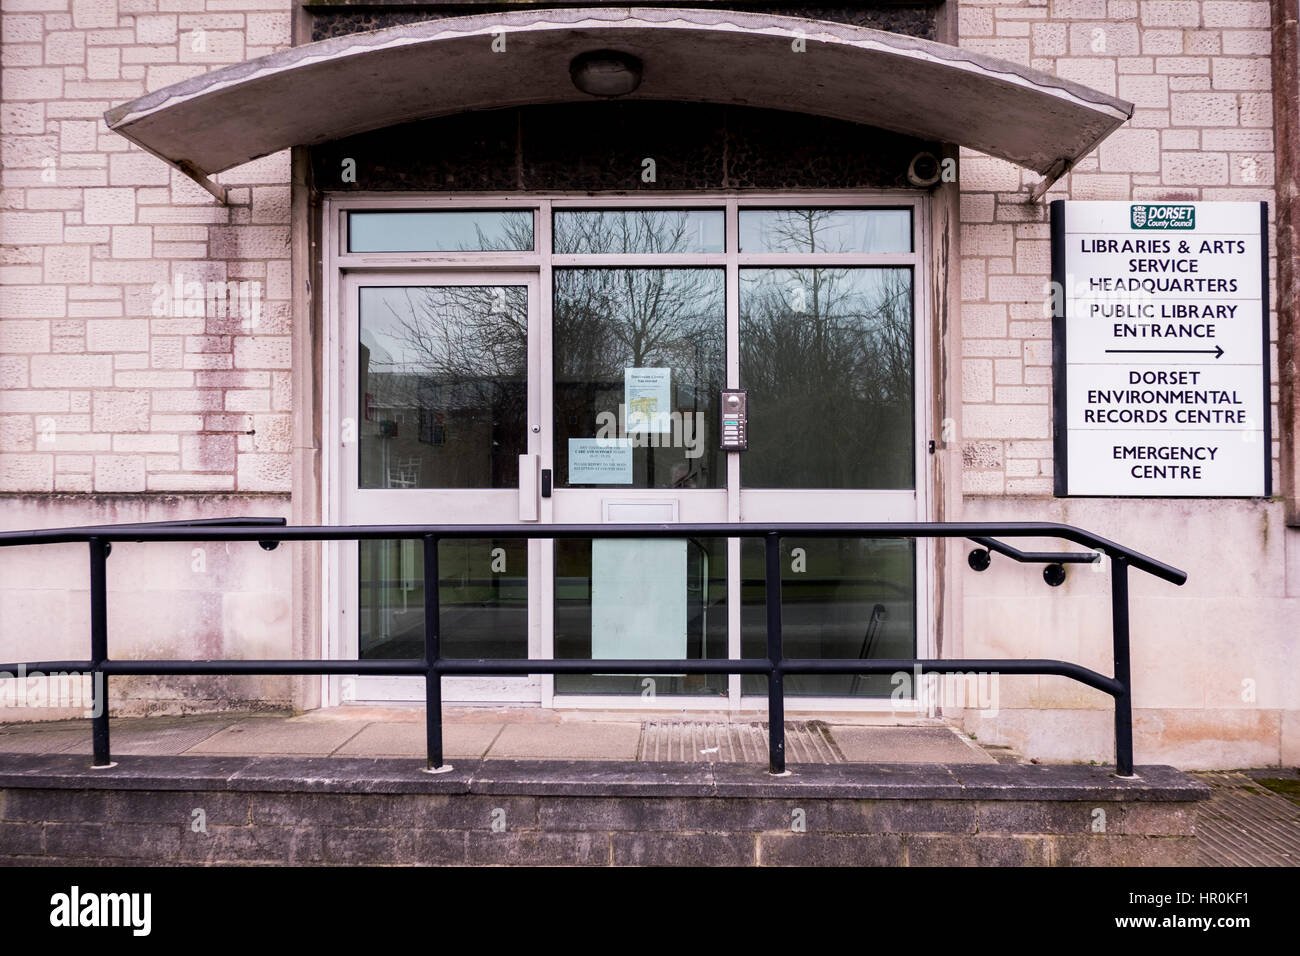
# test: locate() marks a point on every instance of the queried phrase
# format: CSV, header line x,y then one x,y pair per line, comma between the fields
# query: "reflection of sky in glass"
x,y
383,312
826,230
378,354
594,231
442,231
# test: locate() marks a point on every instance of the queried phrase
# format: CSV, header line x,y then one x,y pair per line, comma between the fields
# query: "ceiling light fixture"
x,y
605,72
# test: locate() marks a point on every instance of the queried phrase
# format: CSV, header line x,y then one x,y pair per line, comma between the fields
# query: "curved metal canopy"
x,y
347,85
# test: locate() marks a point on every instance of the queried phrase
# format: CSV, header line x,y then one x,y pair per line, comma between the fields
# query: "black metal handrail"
x,y
433,666
1038,557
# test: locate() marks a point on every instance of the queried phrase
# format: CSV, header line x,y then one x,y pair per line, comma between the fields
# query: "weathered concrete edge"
x,y
601,778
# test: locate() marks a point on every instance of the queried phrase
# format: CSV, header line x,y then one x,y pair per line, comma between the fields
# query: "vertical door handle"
x,y
528,465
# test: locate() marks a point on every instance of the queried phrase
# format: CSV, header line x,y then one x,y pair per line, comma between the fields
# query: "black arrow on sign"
x,y
1217,351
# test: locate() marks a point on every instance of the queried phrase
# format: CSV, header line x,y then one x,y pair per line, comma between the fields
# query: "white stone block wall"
x,y
123,396
108,382
1197,72
1206,657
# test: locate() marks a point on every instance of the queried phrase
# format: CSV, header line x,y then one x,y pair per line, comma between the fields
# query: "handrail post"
x,y
99,653
775,654
432,655
1123,700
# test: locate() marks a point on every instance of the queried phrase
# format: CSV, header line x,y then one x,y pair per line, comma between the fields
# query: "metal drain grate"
x,y
806,741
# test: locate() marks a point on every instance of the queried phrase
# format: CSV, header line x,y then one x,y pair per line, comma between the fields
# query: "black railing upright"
x,y
433,666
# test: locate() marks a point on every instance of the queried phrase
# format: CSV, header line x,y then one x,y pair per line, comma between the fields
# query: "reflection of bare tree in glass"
x,y
457,354
513,232
612,319
827,355
800,230
625,231
607,320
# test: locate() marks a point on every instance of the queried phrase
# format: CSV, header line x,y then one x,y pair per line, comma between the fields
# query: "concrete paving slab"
x,y
494,732
906,745
571,741
271,735
409,740
145,736
371,713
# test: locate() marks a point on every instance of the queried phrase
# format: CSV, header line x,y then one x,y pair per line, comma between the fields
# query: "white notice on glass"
x,y
647,395
600,461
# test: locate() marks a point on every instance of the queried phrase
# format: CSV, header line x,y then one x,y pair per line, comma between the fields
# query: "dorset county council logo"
x,y
1162,216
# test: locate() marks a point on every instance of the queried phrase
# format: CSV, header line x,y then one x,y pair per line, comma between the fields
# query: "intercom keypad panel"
x,y
735,432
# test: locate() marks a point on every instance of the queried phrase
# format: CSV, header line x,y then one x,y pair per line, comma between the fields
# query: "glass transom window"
x,y
827,231
509,230
580,231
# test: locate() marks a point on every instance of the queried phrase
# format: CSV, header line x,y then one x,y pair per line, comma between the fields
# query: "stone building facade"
x,y
132,391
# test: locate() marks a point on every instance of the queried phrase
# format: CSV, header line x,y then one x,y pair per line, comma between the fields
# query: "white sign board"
x,y
1160,349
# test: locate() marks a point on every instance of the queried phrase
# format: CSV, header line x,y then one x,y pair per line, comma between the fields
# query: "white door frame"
x,y
339,264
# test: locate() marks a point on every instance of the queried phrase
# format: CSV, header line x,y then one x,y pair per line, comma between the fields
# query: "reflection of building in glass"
x,y
446,386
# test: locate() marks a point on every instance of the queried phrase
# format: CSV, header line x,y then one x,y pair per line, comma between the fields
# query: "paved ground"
x,y
1244,824
490,732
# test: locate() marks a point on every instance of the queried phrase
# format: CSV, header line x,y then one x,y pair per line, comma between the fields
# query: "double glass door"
x,y
578,380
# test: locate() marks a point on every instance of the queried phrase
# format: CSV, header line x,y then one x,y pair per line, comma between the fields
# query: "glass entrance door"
x,y
439,374
574,377
638,354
